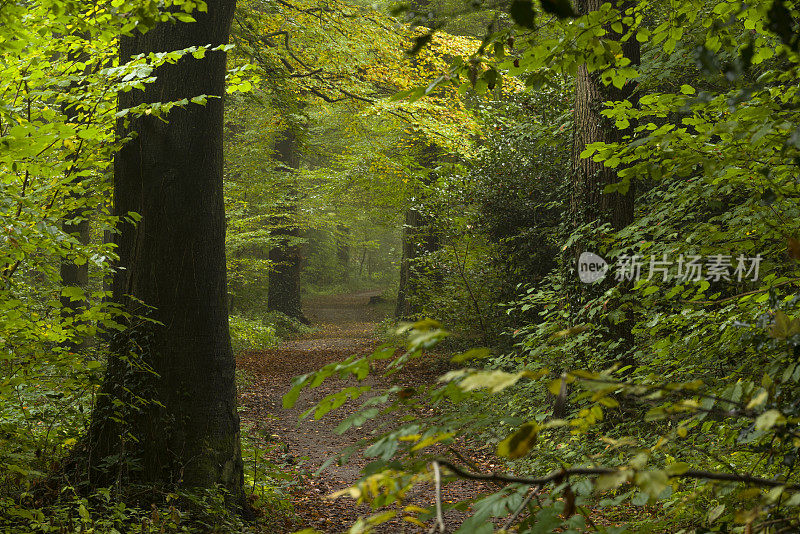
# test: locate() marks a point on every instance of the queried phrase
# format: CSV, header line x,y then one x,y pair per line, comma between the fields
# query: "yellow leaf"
x,y
570,331
414,520
758,400
493,380
609,402
430,440
555,386
413,508
353,492
519,443
768,419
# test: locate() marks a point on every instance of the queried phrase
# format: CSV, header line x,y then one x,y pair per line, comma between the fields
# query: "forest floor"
x,y
345,325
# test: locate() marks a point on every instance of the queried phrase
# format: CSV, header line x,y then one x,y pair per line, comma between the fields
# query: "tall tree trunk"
x,y
75,275
418,240
77,225
167,412
284,292
343,251
588,202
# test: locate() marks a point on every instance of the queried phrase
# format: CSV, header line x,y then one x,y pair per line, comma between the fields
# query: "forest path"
x,y
345,325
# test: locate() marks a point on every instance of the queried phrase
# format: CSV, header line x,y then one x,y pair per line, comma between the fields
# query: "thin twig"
x,y
437,477
520,508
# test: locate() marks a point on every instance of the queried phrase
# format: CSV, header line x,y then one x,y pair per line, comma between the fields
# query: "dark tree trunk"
x,y
418,240
167,413
588,202
343,252
74,275
361,264
284,292
75,224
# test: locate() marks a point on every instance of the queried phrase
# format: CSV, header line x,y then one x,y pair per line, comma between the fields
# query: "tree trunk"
x,y
284,292
588,202
343,252
418,240
167,412
74,274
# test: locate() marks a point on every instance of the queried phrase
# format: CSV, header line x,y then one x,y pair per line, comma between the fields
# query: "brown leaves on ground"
x,y
345,326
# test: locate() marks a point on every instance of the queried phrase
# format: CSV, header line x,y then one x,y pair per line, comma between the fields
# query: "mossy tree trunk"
x,y
286,255
419,239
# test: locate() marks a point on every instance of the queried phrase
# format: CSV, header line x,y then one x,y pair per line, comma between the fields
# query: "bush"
x,y
251,334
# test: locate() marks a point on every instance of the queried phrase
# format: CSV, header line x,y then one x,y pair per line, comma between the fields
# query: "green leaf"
x,y
73,293
612,480
678,468
714,513
290,398
652,482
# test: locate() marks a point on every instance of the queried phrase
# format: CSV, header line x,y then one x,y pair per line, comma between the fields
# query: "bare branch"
x,y
558,476
439,525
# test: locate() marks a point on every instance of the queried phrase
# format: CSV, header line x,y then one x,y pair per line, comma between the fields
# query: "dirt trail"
x,y
345,326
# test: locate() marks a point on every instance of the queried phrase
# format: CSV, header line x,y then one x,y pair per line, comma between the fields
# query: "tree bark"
x,y
284,293
343,251
167,412
588,202
74,274
418,240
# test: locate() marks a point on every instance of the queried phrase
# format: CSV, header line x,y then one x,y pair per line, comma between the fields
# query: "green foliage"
x,y
702,426
251,334
498,214
183,511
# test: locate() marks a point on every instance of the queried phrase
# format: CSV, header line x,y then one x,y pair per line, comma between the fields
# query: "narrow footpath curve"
x,y
345,326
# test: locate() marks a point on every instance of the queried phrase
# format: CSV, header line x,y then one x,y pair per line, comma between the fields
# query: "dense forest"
x,y
429,266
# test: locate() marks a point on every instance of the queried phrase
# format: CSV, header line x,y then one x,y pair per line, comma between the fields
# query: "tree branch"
x,y
557,476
